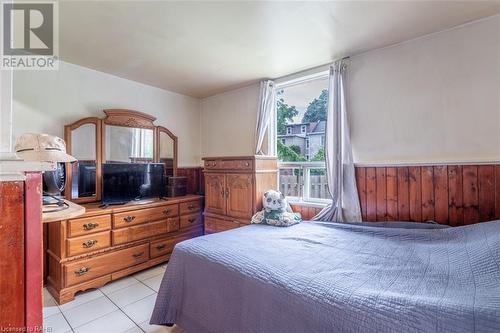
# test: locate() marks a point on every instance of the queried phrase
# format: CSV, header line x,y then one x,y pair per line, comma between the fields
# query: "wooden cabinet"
x,y
234,187
215,187
108,243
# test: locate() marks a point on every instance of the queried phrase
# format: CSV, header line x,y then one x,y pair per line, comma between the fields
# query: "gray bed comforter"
x,y
329,277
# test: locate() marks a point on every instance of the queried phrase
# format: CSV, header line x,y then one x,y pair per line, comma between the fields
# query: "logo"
x,y
29,35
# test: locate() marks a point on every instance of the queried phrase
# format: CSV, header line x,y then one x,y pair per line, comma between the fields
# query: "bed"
x,y
331,277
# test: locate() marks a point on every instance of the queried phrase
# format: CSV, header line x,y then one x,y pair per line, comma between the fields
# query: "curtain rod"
x,y
284,77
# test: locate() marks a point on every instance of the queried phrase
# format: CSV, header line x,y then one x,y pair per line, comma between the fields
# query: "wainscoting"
x,y
195,180
448,194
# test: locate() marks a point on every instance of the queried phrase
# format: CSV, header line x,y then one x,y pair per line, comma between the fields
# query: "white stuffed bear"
x,y
277,212
275,200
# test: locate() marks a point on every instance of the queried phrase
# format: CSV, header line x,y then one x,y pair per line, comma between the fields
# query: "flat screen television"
x,y
124,182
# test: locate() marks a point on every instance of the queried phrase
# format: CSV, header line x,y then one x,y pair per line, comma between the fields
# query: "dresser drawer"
x,y
88,269
126,219
229,164
190,207
190,220
130,234
87,243
87,225
161,247
213,224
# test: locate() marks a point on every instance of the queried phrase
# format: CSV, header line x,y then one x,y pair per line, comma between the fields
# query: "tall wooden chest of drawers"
x,y
234,187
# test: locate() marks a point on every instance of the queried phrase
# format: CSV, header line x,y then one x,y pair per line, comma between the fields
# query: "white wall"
x,y
228,122
44,101
432,99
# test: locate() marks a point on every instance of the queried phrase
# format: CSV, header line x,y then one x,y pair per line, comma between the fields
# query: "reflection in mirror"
x,y
128,145
83,148
167,153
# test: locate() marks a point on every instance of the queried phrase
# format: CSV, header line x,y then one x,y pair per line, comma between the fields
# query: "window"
x,y
303,102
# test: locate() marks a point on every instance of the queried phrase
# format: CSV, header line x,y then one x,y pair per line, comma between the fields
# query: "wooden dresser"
x,y
234,187
106,244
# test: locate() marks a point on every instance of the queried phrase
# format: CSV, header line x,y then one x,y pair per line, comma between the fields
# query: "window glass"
x,y
301,111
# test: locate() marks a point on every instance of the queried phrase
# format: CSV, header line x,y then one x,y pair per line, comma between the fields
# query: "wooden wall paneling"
x,y
361,184
470,194
441,193
12,260
371,194
33,250
381,194
427,174
392,193
486,194
415,188
455,195
497,191
403,194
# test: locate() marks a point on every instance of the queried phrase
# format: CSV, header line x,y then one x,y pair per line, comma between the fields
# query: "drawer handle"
x,y
161,247
167,211
138,255
247,164
191,220
90,226
89,243
82,271
227,192
129,218
191,207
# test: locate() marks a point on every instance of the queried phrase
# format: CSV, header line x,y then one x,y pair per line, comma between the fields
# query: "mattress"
x,y
331,277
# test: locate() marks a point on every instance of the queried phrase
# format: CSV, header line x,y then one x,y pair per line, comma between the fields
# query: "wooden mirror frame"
x,y
115,117
159,130
68,131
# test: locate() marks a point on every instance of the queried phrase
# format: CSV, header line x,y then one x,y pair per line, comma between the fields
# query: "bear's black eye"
x,y
269,199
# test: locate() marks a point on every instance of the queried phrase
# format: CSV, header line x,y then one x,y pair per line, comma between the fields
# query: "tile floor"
x,y
120,306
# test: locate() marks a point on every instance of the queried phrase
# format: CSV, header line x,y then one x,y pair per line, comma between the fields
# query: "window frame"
x,y
304,188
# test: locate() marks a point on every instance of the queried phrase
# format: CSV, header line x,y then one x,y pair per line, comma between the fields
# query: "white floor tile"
x,y
141,311
118,284
56,324
46,294
49,307
89,311
81,298
114,322
159,329
154,282
149,273
130,294
136,329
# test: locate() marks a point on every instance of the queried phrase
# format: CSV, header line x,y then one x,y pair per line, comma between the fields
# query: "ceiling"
x,y
200,48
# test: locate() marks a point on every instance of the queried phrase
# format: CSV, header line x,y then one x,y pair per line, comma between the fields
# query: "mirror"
x,y
129,144
83,176
129,137
167,152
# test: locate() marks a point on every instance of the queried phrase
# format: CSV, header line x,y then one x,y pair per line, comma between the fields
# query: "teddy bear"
x,y
276,211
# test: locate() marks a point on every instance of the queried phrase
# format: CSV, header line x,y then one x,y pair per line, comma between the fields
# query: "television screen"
x,y
124,182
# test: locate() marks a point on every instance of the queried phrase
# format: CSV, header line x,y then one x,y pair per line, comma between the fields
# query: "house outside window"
x,y
300,119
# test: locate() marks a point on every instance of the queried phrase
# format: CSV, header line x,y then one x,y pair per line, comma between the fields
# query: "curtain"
x,y
340,170
266,105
